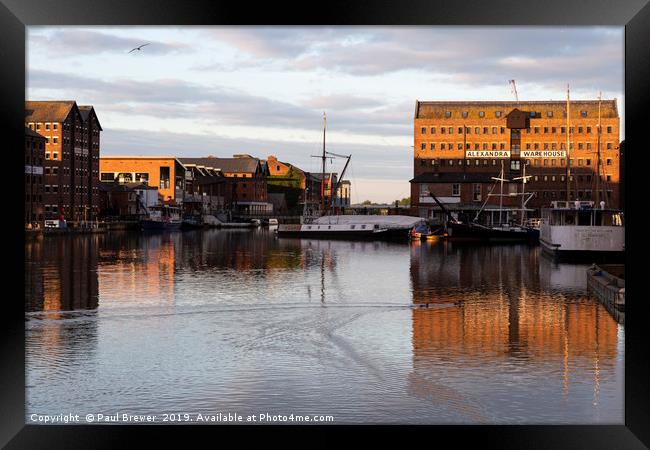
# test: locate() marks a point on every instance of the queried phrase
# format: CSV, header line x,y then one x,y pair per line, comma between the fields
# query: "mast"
x,y
322,181
523,179
568,145
501,179
501,196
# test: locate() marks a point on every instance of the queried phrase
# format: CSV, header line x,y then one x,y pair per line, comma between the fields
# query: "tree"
x,y
366,202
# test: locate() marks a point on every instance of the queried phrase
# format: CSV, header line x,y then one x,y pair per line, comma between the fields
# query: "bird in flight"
x,y
138,48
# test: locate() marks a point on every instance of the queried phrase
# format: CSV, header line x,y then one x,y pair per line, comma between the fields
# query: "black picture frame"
x,y
634,15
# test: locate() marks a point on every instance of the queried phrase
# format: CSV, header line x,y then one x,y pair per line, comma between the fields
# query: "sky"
x,y
199,91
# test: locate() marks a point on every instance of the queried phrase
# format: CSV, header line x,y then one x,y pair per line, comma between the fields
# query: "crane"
x,y
514,89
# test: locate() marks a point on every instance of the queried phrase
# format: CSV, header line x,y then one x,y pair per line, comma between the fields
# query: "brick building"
x,y
89,159
71,154
34,160
167,173
207,189
459,146
248,177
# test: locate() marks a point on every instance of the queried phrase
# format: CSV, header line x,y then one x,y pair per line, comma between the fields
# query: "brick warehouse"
x,y
72,147
459,146
34,160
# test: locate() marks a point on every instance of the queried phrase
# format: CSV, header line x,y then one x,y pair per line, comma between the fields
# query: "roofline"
x,y
74,106
92,108
525,102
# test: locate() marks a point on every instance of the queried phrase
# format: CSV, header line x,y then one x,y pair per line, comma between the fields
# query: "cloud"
x,y
73,42
487,55
178,99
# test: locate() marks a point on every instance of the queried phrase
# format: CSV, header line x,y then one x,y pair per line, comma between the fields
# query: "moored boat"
x,y
162,218
331,231
577,230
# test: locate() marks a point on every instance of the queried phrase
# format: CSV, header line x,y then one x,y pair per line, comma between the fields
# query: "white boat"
x,y
578,230
332,231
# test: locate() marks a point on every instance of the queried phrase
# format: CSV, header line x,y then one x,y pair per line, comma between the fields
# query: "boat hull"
x,y
592,256
157,225
347,232
370,235
477,233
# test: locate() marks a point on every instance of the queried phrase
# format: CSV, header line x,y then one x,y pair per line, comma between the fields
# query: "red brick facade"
x,y
71,158
34,177
465,138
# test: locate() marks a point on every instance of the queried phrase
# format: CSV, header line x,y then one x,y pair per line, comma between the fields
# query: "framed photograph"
x,y
242,222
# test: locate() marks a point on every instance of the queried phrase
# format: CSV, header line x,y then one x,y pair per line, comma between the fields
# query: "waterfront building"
x,y
34,160
287,180
207,189
343,194
71,154
88,171
167,173
460,145
118,200
247,176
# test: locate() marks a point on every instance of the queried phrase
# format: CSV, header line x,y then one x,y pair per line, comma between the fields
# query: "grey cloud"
x,y
474,54
179,99
73,42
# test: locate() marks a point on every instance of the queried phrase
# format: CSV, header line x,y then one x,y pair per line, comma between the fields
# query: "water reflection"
x,y
518,314
367,331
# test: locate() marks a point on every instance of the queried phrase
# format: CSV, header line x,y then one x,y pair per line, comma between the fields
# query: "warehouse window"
x,y
477,192
455,190
549,113
433,146
447,114
481,114
497,114
433,130
465,114
583,113
423,130
609,129
423,146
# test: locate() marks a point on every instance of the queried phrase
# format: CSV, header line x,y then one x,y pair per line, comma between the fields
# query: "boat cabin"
x,y
581,213
165,212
